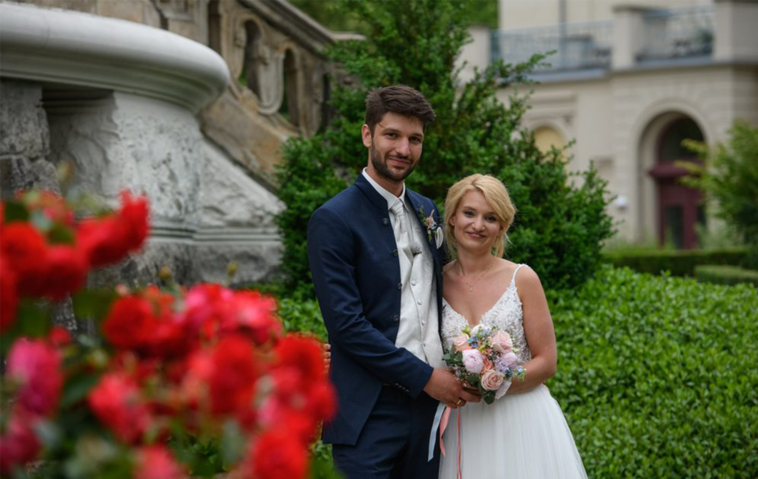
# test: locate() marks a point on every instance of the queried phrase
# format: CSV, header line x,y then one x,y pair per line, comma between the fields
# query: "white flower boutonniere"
x,y
433,230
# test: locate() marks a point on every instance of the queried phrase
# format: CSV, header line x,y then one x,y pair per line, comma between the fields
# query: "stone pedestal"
x,y
120,101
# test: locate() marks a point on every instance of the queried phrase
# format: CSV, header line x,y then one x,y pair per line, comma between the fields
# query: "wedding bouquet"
x,y
485,358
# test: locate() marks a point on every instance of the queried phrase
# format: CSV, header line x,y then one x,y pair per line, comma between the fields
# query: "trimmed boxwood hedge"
x,y
657,375
726,274
677,262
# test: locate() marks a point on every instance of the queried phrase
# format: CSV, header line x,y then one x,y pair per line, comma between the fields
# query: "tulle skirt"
x,y
520,436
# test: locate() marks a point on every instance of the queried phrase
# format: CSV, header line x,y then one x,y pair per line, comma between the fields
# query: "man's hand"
x,y
445,387
327,351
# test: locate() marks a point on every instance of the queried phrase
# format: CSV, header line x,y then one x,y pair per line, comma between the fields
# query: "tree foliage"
x,y
559,227
730,179
329,14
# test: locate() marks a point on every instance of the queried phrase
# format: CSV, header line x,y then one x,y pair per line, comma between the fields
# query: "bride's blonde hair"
x,y
497,197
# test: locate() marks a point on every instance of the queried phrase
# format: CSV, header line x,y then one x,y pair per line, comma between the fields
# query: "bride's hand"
x,y
327,350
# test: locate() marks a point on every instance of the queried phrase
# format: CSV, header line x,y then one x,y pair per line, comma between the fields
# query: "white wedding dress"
x,y
520,436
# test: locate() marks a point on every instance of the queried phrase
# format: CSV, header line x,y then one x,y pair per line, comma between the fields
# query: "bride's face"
x,y
475,224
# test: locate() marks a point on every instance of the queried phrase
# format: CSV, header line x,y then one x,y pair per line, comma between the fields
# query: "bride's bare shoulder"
x,y
446,269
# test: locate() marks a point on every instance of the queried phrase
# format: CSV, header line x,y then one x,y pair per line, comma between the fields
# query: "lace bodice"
x,y
507,315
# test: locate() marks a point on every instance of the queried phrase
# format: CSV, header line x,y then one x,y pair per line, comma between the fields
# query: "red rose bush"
x,y
179,382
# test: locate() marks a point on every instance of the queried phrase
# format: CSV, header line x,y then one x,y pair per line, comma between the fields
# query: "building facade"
x,y
627,83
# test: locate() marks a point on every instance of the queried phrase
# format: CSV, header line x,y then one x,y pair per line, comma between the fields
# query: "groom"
x,y
374,251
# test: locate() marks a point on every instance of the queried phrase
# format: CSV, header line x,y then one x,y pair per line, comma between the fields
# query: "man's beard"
x,y
380,165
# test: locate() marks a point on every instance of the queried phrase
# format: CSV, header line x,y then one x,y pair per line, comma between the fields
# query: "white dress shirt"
x,y
419,329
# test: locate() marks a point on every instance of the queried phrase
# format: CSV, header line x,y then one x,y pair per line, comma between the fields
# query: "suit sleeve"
x,y
330,253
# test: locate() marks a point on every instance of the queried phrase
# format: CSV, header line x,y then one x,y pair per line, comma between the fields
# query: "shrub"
x,y
302,315
559,227
725,274
657,375
676,262
731,180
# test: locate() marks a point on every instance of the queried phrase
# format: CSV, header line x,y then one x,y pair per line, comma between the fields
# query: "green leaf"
x,y
93,303
15,211
77,388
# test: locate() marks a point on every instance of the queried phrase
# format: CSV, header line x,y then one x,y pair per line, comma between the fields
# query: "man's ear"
x,y
366,135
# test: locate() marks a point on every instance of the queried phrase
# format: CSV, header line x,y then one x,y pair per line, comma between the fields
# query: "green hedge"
x,y
725,274
657,376
677,262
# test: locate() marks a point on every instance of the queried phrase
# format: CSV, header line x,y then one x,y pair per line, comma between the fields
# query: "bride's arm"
x,y
538,326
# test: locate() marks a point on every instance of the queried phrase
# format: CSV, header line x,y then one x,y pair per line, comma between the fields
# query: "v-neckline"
x,y
484,313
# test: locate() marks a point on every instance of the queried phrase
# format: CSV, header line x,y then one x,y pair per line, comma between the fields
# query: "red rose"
x,y
303,354
102,239
134,216
130,323
278,455
254,316
8,295
18,443
194,384
234,374
205,308
117,403
322,401
59,336
66,271
36,366
26,253
109,239
156,462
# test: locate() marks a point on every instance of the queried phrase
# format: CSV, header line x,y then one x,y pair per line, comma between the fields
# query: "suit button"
x,y
399,285
394,253
385,221
396,318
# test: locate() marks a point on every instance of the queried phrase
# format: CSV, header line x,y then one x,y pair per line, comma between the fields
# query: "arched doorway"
x,y
679,208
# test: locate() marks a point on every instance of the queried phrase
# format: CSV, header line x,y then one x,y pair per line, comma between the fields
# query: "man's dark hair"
x,y
399,99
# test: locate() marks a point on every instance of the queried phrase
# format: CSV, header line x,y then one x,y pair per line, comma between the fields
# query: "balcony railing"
x,y
576,45
677,33
666,34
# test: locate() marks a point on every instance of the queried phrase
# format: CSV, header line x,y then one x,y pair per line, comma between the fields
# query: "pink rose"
x,y
510,360
460,343
501,342
36,366
156,462
18,442
473,361
492,380
487,364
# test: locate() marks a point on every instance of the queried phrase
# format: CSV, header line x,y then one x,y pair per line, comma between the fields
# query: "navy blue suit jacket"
x,y
356,272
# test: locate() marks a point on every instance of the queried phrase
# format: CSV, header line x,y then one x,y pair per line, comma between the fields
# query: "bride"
x,y
524,434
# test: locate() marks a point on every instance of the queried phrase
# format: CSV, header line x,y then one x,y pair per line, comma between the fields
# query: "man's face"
x,y
395,147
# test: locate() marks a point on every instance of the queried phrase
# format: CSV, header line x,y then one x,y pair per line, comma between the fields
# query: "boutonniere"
x,y
433,230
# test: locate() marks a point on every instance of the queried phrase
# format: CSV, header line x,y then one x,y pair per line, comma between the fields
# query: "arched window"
x,y
249,74
671,147
546,137
289,108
